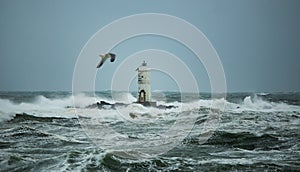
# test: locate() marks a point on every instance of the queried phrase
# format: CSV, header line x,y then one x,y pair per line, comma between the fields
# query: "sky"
x,y
257,42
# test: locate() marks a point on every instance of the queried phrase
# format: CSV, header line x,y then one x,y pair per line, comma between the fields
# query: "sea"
x,y
61,131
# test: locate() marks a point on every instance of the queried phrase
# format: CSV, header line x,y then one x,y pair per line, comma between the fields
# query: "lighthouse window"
x,y
142,76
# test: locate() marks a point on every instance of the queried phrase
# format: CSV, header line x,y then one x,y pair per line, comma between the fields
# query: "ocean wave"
x,y
70,106
243,140
256,103
44,133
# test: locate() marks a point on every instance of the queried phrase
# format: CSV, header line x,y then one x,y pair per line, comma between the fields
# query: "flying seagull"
x,y
105,57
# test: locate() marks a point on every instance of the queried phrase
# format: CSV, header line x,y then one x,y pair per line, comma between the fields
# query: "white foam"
x,y
44,107
123,97
258,104
263,94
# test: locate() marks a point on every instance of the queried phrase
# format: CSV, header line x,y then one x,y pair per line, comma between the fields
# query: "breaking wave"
x,y
256,103
43,106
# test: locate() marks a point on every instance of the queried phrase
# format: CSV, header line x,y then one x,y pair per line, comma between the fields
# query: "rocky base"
x,y
106,105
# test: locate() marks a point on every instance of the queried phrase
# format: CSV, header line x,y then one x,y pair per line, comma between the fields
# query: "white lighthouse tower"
x,y
144,87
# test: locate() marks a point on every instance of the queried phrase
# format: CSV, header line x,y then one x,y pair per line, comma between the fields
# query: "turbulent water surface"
x,y
43,131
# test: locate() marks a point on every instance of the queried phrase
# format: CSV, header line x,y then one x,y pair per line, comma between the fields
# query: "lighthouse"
x,y
144,86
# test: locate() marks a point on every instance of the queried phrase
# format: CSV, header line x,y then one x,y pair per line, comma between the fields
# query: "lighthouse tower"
x,y
144,87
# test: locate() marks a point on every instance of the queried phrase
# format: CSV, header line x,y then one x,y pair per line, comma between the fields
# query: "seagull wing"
x,y
103,58
112,57
100,63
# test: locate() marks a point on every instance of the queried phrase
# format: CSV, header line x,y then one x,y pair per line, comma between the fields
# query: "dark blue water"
x,y
41,131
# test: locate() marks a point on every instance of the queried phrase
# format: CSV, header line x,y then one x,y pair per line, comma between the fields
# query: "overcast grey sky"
x,y
257,41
